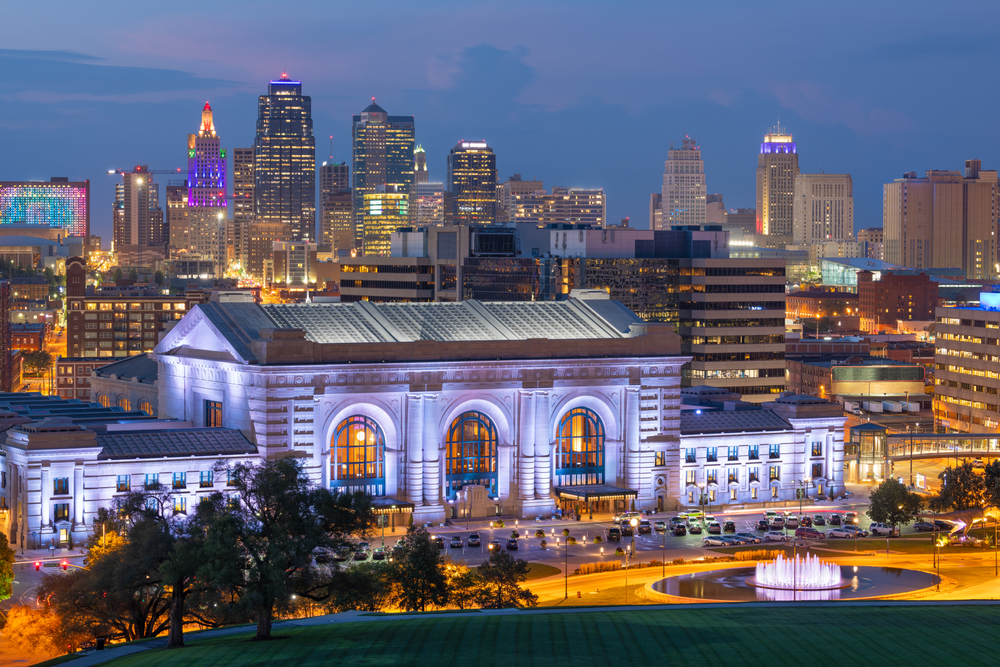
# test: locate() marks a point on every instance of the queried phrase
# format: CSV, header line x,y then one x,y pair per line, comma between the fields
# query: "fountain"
x,y
807,573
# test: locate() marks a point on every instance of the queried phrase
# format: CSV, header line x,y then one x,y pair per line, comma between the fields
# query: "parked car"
x,y
839,532
791,522
763,525
860,531
627,530
614,534
881,529
695,529
926,527
680,530
770,514
734,541
806,522
321,556
645,527
439,542
674,520
341,553
819,520
474,540
361,554
378,554
729,527
494,545
777,523
804,533
714,528
836,519
660,526
715,541
943,525
774,536
456,543
512,544
749,538
851,519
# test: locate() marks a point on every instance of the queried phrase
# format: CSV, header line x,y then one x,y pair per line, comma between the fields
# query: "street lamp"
x,y
701,501
633,522
804,482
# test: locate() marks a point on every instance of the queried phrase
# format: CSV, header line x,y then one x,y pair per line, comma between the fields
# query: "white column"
x,y
46,497
543,446
414,434
526,445
77,490
432,440
633,465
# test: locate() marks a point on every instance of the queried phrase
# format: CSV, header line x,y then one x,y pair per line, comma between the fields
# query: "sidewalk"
x,y
32,555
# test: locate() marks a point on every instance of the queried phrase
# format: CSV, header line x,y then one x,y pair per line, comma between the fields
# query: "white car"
x,y
880,529
716,541
791,522
749,538
839,531
778,523
774,536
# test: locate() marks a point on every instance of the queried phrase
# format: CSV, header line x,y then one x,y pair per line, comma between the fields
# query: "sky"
x,y
579,93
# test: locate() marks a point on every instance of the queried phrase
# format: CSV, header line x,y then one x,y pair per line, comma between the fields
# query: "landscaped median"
x,y
906,635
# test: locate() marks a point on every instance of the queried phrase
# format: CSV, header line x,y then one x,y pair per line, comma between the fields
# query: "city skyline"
x,y
112,99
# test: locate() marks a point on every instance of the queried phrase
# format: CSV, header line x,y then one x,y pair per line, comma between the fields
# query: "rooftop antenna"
x,y
331,147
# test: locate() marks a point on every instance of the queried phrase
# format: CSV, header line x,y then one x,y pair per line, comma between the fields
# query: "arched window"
x,y
124,404
472,453
580,457
358,456
146,407
104,400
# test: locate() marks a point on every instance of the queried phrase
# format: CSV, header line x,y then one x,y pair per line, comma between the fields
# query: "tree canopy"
x,y
964,487
501,577
418,572
893,503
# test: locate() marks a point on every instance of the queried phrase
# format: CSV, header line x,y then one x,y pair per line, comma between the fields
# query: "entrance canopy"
x,y
383,505
589,492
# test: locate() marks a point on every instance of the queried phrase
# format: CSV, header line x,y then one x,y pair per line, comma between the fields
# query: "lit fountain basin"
x,y
801,573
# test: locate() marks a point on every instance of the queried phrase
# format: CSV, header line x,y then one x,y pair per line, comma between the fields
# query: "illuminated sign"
x,y
474,144
990,300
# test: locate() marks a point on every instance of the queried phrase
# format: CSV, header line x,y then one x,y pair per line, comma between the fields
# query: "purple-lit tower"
x,y
207,204
777,167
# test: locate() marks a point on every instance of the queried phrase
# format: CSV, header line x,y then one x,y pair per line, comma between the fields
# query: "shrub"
x,y
756,554
619,551
539,533
598,539
677,561
565,532
514,534
594,568
498,523
571,540
543,544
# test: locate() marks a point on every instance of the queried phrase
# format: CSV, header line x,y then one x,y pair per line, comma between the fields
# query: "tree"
x,y
158,278
365,587
463,585
39,360
501,577
133,274
963,488
418,572
38,631
893,503
261,541
7,558
118,274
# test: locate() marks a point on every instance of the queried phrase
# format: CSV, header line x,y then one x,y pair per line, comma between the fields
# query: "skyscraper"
x,y
383,212
684,190
334,178
284,165
58,203
243,205
420,165
133,202
823,209
383,151
207,187
472,183
337,228
427,204
513,193
777,167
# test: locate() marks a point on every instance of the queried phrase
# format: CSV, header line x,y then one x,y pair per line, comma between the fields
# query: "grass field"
x,y
816,636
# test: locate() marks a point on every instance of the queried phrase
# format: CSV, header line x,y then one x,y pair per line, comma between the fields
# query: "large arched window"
x,y
472,453
358,456
104,400
580,457
124,403
146,407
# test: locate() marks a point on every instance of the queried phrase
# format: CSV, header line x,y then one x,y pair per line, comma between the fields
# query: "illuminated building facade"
x,y
823,209
138,219
284,167
206,193
420,174
57,203
578,206
334,178
383,212
683,195
337,228
472,184
427,204
243,205
383,152
777,167
514,203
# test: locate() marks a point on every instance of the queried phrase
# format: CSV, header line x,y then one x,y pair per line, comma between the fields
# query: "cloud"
x,y
933,46
820,103
47,55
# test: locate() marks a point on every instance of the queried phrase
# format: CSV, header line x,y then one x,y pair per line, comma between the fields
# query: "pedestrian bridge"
x,y
902,447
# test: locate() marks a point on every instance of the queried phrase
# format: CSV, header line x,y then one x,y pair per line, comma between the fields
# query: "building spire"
x,y
207,128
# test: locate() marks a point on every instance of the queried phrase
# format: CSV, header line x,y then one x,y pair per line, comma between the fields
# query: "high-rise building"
x,y
656,210
177,218
871,243
715,210
943,220
207,193
777,167
472,184
683,186
243,205
427,204
823,209
383,152
420,174
579,206
284,165
383,212
136,223
337,228
57,203
744,219
514,192
334,178
891,297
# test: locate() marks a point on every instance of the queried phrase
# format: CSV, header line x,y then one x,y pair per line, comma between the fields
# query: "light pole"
x,y
633,522
566,570
803,482
663,557
701,502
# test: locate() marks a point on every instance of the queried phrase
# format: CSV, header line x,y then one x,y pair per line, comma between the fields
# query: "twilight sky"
x,y
574,93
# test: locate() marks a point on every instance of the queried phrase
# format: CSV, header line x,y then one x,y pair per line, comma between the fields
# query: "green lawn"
x,y
696,637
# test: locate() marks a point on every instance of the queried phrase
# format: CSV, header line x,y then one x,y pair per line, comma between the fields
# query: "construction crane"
x,y
143,169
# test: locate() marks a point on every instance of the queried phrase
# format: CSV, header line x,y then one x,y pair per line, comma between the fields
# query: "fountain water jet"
x,y
799,573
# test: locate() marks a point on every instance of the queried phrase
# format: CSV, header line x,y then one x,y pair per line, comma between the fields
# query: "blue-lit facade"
x,y
56,203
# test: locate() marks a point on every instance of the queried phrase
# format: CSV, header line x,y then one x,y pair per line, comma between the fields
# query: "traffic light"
x,y
64,565
38,566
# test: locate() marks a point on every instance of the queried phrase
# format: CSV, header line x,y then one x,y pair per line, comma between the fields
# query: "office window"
x,y
817,470
213,413
711,495
774,492
690,497
734,475
230,478
734,454
60,486
732,494
180,480
713,476
755,474
61,511
753,493
180,505
817,449
206,479
689,477
774,451
754,452
151,481
152,505
775,473
690,456
123,483
661,459
713,454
